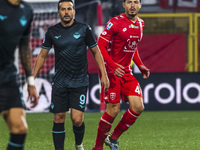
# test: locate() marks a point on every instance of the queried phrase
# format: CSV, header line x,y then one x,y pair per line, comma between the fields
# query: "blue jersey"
x,y
15,24
70,45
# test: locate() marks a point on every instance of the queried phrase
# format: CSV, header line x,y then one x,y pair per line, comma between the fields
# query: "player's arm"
x,y
99,59
144,70
104,39
40,61
92,44
118,69
46,46
102,43
26,60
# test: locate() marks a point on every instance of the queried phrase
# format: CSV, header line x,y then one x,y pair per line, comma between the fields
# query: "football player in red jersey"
x,y
118,44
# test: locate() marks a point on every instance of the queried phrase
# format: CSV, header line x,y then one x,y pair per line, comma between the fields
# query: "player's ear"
x,y
74,12
140,5
123,4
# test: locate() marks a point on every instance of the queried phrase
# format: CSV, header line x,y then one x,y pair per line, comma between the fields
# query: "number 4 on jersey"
x,y
137,90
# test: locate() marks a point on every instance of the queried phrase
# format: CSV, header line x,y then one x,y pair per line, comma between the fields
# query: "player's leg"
x,y
105,124
112,98
58,130
133,95
11,108
77,99
16,121
78,127
112,110
129,117
59,106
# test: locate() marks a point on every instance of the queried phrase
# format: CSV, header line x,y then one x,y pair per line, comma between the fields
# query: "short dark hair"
x,y
125,1
60,1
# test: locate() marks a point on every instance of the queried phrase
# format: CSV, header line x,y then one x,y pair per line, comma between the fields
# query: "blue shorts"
x,y
64,98
10,96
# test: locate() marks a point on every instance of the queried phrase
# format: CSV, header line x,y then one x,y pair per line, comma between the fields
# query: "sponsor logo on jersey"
x,y
112,96
104,33
131,36
125,29
76,35
2,18
57,37
133,26
23,21
109,26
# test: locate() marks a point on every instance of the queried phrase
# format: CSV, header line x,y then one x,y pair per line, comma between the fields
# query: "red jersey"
x,y
119,40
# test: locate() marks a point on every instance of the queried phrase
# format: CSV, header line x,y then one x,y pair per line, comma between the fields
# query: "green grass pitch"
x,y
161,130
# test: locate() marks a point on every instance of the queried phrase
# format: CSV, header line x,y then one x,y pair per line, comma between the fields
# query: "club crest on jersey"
x,y
133,26
112,96
23,21
76,35
2,18
109,26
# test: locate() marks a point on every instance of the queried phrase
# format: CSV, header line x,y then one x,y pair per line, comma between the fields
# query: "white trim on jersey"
x,y
140,22
104,39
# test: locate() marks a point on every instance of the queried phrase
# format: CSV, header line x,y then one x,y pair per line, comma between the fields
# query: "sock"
x,y
105,125
128,119
58,135
16,141
79,133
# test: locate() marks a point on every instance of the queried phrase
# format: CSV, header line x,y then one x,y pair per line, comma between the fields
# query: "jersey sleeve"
x,y
137,59
143,24
104,40
47,43
90,39
109,30
28,29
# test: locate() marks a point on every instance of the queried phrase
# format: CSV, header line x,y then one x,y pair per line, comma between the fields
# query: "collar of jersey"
x,y
129,19
75,22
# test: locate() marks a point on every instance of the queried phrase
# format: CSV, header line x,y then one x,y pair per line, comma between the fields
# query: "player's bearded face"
x,y
66,12
132,7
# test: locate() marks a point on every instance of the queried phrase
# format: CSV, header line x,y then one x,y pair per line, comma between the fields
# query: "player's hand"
x,y
105,82
33,95
119,72
145,71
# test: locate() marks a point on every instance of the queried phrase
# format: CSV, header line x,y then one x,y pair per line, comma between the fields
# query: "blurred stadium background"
x,y
170,48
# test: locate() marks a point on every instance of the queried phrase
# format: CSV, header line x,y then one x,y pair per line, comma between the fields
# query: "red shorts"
x,y
121,86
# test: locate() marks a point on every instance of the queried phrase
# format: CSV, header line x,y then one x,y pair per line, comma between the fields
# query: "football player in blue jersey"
x,y
15,21
70,39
